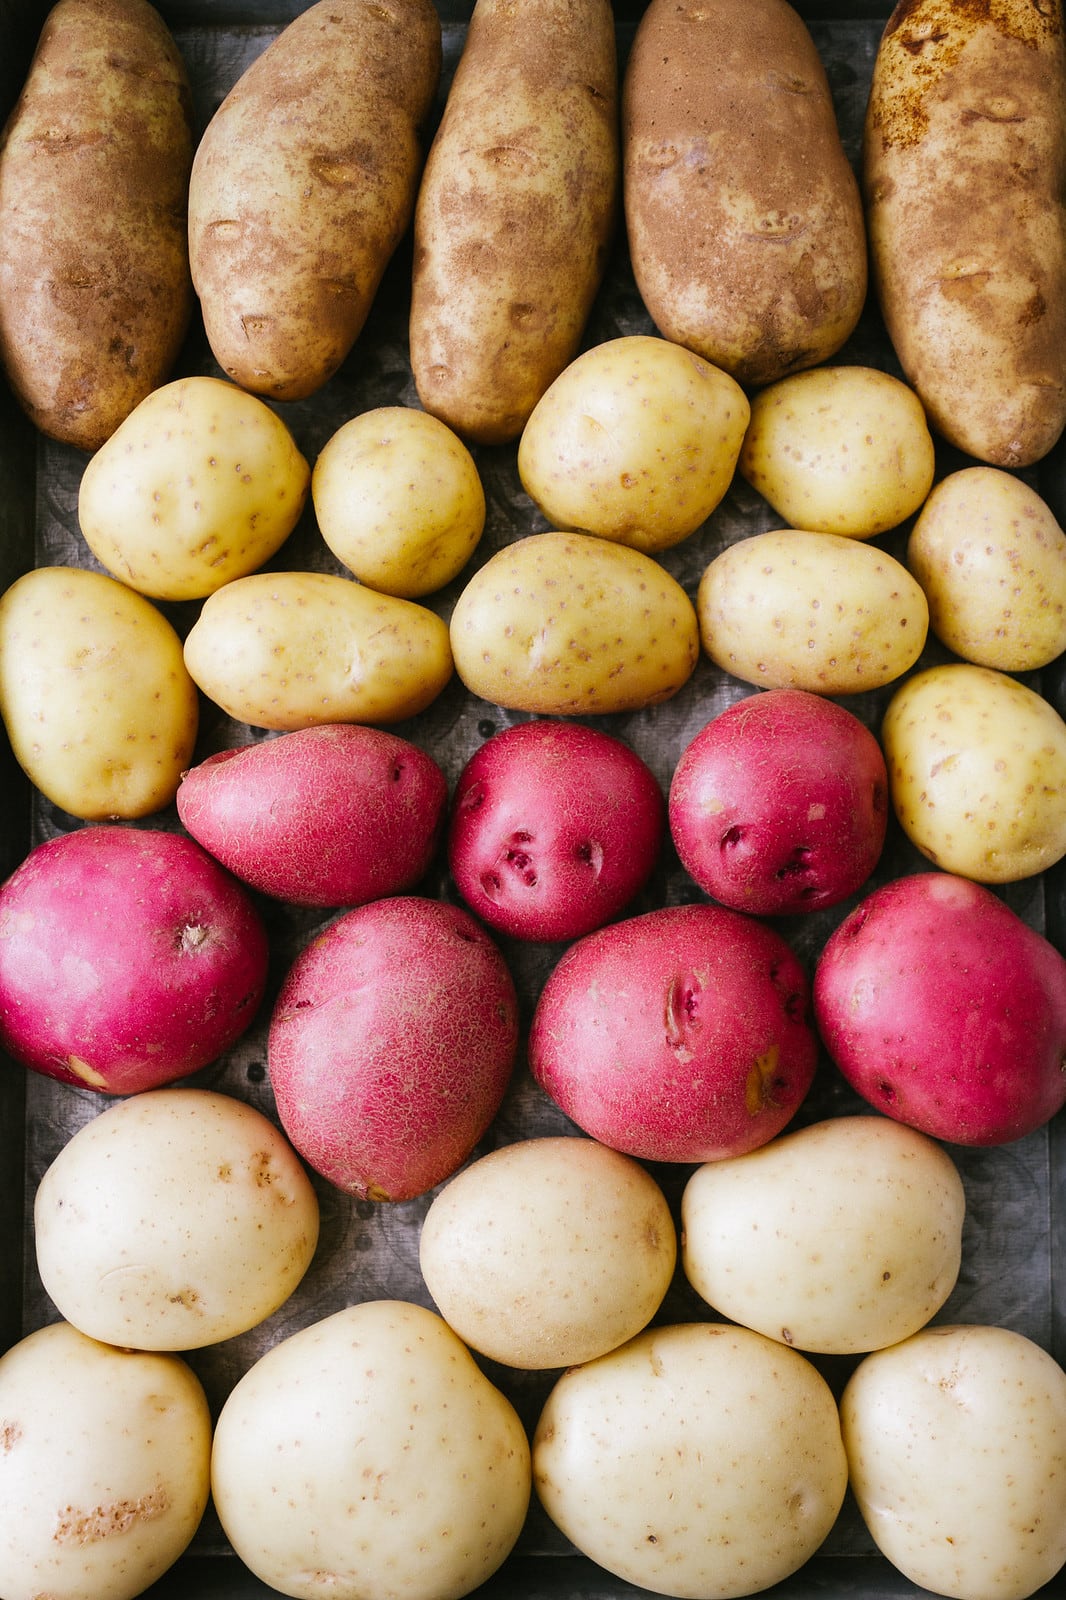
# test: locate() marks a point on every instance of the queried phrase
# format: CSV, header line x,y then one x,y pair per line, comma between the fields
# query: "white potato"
x,y
104,1466
956,1443
368,1454
174,1219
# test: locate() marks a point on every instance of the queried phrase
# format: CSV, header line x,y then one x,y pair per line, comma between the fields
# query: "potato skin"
x,y
964,176
95,293
743,213
303,185
516,212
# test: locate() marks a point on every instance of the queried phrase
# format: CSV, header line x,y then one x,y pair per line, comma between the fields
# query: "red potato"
x,y
333,815
554,828
128,958
945,1010
391,1044
779,805
681,1034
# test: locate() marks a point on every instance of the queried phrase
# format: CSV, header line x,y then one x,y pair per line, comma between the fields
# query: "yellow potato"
x,y
977,772
800,610
992,560
294,649
569,624
636,441
200,484
98,705
399,500
839,450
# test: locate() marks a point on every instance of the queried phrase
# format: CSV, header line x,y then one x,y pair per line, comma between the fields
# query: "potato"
x,y
964,177
105,1469
367,1454
839,450
977,772
866,1241
572,625
303,185
991,558
199,485
291,650
956,1444
636,440
697,1460
743,214
96,699
95,293
516,211
173,1220
815,611
548,1252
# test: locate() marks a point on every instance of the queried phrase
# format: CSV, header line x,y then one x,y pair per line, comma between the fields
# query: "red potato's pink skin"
x,y
555,827
335,815
780,804
945,1010
128,959
391,1045
681,1034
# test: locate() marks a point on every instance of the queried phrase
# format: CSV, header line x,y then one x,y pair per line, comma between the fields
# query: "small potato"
x,y
399,500
992,560
297,649
636,440
800,610
200,484
94,693
839,450
977,772
569,624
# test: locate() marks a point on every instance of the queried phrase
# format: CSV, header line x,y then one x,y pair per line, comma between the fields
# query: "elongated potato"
x,y
304,184
742,210
95,295
964,174
516,211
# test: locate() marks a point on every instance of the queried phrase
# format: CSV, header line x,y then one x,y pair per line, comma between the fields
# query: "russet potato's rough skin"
x,y
964,177
95,293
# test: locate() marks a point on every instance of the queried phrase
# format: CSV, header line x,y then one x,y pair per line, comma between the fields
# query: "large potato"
x,y
95,294
964,177
303,184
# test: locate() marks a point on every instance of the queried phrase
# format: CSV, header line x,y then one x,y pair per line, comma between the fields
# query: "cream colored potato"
x,y
368,1454
399,500
95,696
977,772
801,610
956,1443
636,440
698,1460
296,649
991,558
200,484
174,1219
569,624
839,450
104,1466
839,1238
548,1252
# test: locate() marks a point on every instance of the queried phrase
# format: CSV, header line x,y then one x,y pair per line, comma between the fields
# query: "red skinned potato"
x,y
334,815
391,1044
681,1034
945,1010
128,958
779,805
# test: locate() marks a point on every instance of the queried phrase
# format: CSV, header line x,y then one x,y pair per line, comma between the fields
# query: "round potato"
x,y
806,610
977,772
636,440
